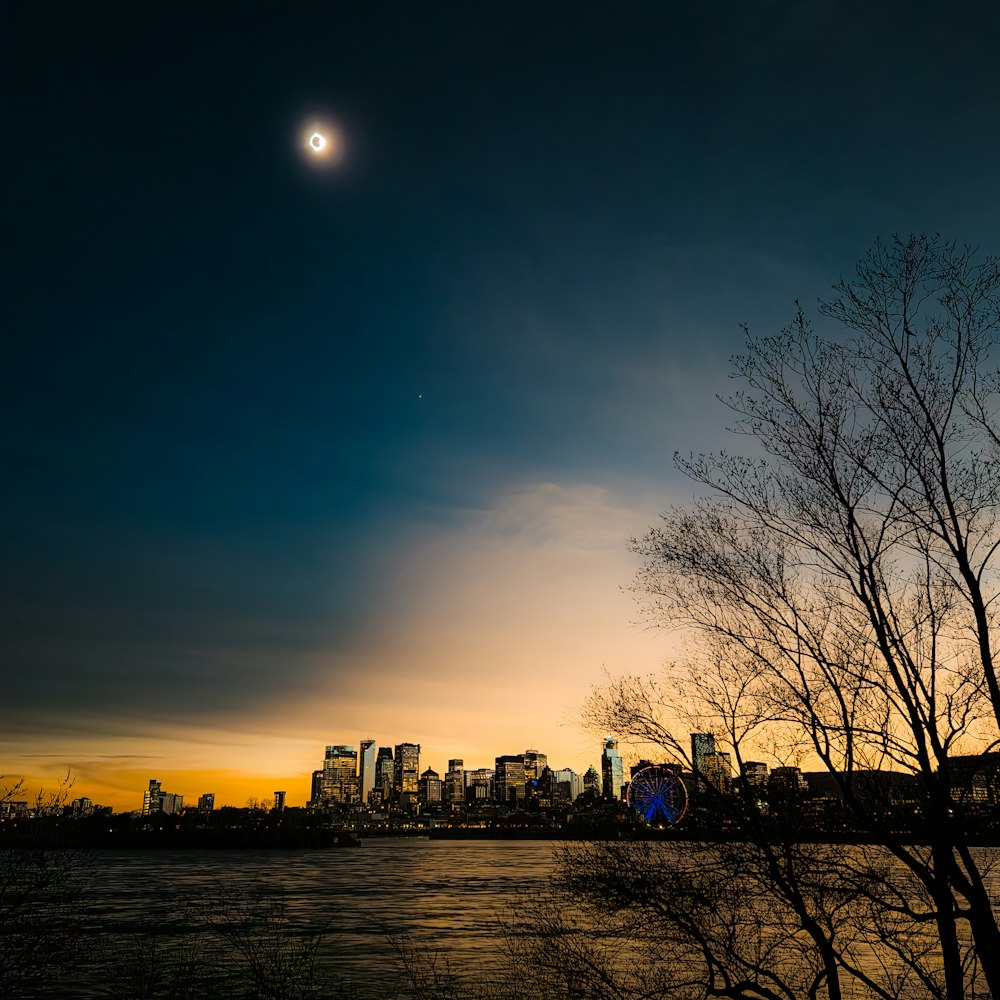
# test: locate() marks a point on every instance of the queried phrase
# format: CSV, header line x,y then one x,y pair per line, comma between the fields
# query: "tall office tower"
x,y
787,780
279,801
479,785
152,798
316,789
171,803
406,771
383,777
206,802
366,771
430,788
718,770
755,774
612,770
454,784
508,780
534,764
564,786
339,784
702,744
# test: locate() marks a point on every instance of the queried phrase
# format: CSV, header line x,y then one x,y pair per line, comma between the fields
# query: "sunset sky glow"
x,y
302,456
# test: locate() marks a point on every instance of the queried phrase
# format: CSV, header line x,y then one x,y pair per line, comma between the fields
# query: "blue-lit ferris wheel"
x,y
658,795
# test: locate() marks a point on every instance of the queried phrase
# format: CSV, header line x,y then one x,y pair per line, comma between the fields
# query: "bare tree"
x,y
838,586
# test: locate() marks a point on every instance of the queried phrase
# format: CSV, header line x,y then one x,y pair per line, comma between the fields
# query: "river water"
x,y
444,896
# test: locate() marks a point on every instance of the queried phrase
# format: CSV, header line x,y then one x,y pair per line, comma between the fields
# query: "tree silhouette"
x,y
837,586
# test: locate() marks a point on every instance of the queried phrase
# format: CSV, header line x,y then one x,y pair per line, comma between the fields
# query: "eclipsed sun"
x,y
323,142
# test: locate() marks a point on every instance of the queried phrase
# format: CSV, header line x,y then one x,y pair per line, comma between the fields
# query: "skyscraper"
x,y
564,786
718,770
702,744
406,774
755,774
612,770
479,785
454,784
151,798
383,776
339,784
509,781
154,800
431,787
534,764
366,771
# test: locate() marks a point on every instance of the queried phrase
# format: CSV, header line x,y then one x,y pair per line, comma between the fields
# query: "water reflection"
x,y
440,895
445,895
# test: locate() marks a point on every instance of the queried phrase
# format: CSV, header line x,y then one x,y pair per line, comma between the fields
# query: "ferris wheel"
x,y
658,795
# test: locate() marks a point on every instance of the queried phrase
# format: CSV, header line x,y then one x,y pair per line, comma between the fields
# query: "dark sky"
x,y
245,396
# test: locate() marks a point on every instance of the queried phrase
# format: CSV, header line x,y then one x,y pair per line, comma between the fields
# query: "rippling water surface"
x,y
446,895
440,895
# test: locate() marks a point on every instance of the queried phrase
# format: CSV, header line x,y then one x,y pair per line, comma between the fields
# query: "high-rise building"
x,y
786,781
406,772
279,801
154,800
339,783
509,781
383,777
479,786
702,744
755,774
206,802
564,786
717,770
170,803
366,771
612,770
534,764
592,781
454,784
430,789
151,798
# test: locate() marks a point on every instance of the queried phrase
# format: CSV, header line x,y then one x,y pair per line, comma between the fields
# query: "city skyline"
x,y
351,776
292,793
